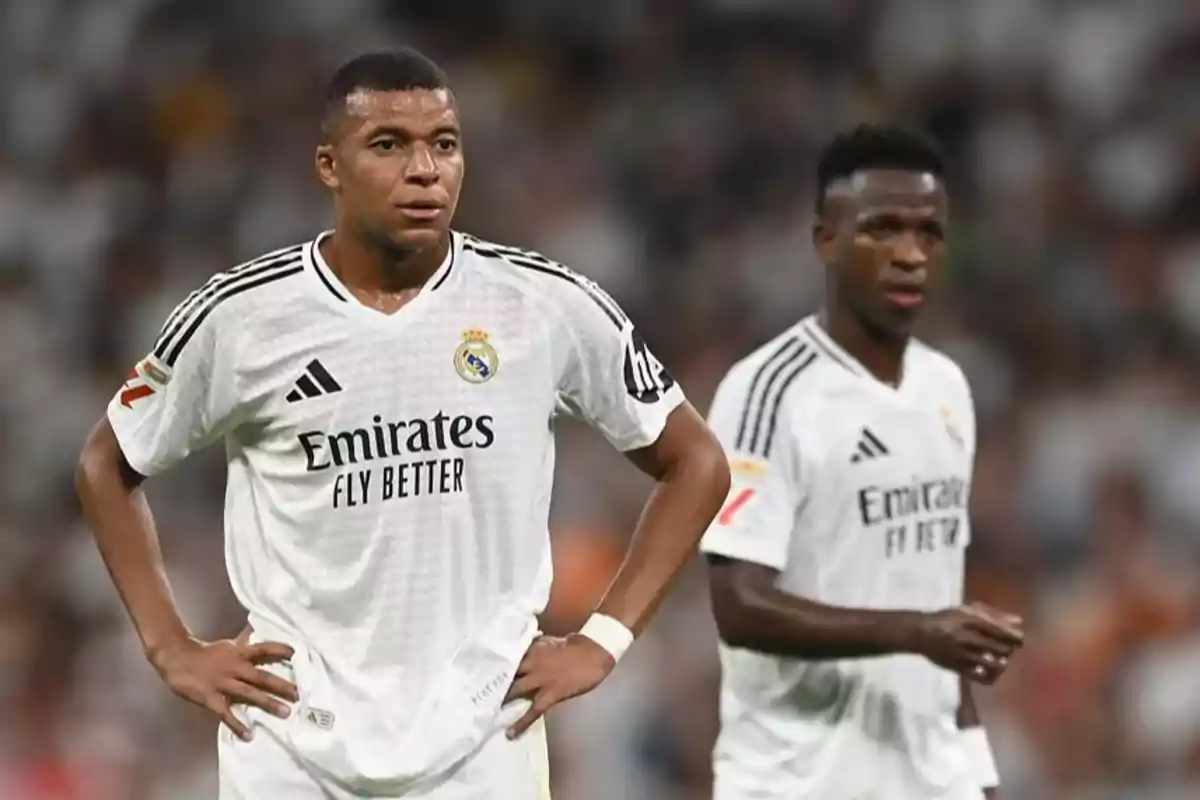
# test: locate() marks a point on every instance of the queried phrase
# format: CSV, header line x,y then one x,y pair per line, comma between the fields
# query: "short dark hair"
x,y
382,70
871,146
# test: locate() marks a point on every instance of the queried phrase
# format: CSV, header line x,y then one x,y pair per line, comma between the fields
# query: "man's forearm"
x,y
683,503
120,519
817,632
753,614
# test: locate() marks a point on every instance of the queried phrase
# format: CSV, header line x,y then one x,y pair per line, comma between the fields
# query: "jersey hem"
x,y
743,554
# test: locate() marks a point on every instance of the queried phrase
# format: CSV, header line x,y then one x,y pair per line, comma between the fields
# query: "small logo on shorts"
x,y
320,717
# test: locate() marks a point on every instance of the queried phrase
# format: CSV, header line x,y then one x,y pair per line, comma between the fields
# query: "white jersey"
x,y
856,492
389,478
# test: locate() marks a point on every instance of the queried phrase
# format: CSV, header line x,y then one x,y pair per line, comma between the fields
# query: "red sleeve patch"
x,y
734,505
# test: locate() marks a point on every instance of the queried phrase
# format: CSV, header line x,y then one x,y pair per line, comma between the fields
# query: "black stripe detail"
x,y
791,377
766,395
315,255
214,291
509,249
179,309
750,395
866,451
517,252
186,305
225,294
318,371
524,258
815,337
597,295
332,289
294,396
236,270
873,439
449,268
305,384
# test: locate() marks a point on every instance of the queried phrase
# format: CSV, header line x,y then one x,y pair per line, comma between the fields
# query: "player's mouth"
x,y
423,210
904,295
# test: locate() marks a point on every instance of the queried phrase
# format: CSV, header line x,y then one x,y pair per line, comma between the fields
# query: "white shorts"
x,y
265,769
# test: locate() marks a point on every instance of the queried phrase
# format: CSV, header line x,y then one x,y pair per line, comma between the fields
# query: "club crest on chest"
x,y
476,360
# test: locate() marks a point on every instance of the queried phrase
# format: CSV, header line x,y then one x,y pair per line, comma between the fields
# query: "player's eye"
x,y
447,144
883,226
384,144
932,232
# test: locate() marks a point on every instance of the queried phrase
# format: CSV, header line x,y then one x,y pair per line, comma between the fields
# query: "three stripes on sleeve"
x,y
187,317
760,411
536,262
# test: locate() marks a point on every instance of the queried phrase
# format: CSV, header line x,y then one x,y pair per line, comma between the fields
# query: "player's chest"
x,y
866,438
439,378
894,480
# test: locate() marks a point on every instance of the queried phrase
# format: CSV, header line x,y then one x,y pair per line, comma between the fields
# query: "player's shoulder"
x,y
537,274
789,361
936,366
757,399
252,282
219,306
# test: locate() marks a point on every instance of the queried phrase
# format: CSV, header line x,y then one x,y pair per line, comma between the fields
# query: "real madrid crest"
x,y
951,428
475,360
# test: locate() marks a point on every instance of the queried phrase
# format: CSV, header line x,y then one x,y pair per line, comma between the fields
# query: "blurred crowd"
x,y
666,150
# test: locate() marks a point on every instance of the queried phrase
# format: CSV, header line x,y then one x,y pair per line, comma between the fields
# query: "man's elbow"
x,y
737,628
101,460
708,468
734,611
90,465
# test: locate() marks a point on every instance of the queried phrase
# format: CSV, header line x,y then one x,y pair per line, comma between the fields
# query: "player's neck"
x,y
374,268
881,354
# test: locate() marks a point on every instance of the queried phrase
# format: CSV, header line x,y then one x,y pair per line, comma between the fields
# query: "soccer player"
x,y
837,563
384,393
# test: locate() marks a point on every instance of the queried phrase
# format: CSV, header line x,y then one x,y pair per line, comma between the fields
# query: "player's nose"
x,y
421,166
908,253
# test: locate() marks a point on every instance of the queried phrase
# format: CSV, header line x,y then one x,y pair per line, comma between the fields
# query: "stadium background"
x,y
664,149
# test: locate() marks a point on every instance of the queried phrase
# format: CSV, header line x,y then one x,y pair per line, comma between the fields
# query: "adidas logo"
x,y
315,382
869,446
321,718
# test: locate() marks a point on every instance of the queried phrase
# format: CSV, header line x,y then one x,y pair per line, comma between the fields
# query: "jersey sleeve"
x,y
756,522
611,380
181,397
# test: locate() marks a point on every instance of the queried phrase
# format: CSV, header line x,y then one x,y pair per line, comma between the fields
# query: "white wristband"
x,y
981,764
608,633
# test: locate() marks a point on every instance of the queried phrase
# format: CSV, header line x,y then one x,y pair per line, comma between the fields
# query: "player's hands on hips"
x,y
218,675
554,670
974,640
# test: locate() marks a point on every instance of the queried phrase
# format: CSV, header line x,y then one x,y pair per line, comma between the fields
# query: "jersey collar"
x,y
821,339
333,288
825,343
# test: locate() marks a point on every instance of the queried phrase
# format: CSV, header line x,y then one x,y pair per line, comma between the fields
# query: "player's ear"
x,y
824,237
326,164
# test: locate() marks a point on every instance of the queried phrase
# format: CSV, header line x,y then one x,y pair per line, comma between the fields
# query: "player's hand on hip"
x,y
554,670
974,640
218,675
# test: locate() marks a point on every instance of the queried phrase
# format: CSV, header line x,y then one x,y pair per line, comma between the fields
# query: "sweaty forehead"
x,y
411,105
879,188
